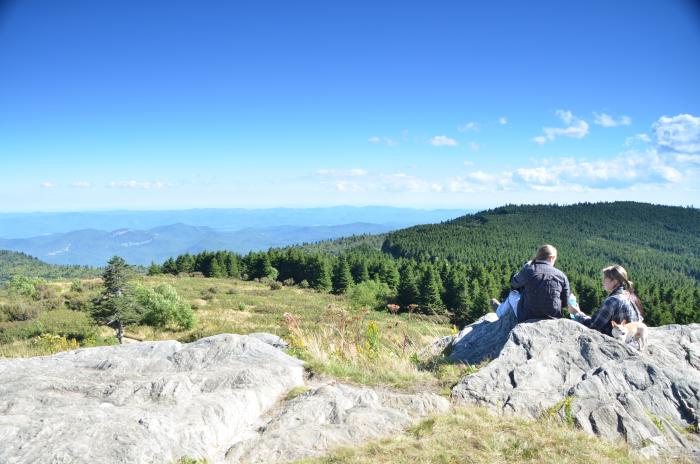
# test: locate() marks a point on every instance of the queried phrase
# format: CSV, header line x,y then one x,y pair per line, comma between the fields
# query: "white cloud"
x,y
482,177
637,138
693,159
680,133
480,181
355,172
402,182
345,186
468,163
81,184
503,120
474,146
381,140
605,120
442,141
133,184
470,126
461,185
47,185
565,115
576,128
360,181
623,171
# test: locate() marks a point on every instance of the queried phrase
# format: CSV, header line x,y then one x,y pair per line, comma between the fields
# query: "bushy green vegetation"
x,y
40,317
455,268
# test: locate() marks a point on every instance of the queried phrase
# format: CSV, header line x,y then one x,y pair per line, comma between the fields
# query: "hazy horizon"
x,y
224,208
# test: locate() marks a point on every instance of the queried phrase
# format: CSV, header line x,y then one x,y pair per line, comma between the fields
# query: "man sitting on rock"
x,y
544,289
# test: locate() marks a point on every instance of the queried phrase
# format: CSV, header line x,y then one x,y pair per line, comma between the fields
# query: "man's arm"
x,y
520,279
565,292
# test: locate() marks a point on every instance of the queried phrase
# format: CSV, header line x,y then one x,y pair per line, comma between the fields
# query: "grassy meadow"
x,y
336,340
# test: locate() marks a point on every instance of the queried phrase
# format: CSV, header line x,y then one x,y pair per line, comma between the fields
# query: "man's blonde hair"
x,y
545,252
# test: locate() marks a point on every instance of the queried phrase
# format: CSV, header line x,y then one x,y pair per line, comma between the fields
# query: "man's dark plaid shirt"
x,y
617,307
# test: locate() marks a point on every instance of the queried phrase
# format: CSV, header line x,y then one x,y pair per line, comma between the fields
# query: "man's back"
x,y
545,291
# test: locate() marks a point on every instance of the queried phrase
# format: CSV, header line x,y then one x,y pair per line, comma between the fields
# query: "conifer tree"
x,y
342,279
429,291
407,292
114,307
389,273
154,269
360,272
319,274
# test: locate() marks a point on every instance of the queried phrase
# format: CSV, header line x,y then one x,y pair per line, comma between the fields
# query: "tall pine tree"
x,y
342,279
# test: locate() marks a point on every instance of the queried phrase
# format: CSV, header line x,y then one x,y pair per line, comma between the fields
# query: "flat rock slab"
x,y
219,398
139,403
333,416
608,388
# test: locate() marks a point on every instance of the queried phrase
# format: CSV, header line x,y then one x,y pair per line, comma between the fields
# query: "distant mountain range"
x,y
25,225
142,237
94,247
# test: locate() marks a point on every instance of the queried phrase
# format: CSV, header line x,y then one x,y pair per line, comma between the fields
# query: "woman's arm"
x,y
601,319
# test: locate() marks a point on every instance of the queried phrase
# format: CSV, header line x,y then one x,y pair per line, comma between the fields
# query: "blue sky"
x,y
161,105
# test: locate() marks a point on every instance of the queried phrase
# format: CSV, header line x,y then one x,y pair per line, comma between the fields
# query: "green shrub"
x,y
67,323
20,310
275,285
163,307
79,301
77,286
370,294
44,292
372,338
18,330
24,286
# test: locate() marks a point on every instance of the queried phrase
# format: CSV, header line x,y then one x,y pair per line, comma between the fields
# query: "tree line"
x,y
455,268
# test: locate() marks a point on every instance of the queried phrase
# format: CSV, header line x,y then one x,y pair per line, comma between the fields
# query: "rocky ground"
x,y
608,388
232,398
221,398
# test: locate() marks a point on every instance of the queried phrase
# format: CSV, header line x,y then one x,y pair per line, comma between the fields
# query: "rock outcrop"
x,y
608,388
332,416
219,398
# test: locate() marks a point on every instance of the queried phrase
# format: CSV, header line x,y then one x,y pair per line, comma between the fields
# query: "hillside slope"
x,y
14,263
657,244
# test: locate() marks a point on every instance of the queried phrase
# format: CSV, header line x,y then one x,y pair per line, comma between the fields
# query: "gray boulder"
x,y
270,339
606,387
155,402
481,340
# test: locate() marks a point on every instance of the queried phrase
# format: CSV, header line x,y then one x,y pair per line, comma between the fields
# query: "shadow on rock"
x,y
481,340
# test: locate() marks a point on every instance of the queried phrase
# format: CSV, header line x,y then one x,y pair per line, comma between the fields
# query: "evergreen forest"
x,y
454,268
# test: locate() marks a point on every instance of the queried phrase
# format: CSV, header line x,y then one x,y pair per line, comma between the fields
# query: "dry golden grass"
x,y
472,435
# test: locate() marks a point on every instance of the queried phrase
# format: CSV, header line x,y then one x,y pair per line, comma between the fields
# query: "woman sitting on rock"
x,y
622,304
